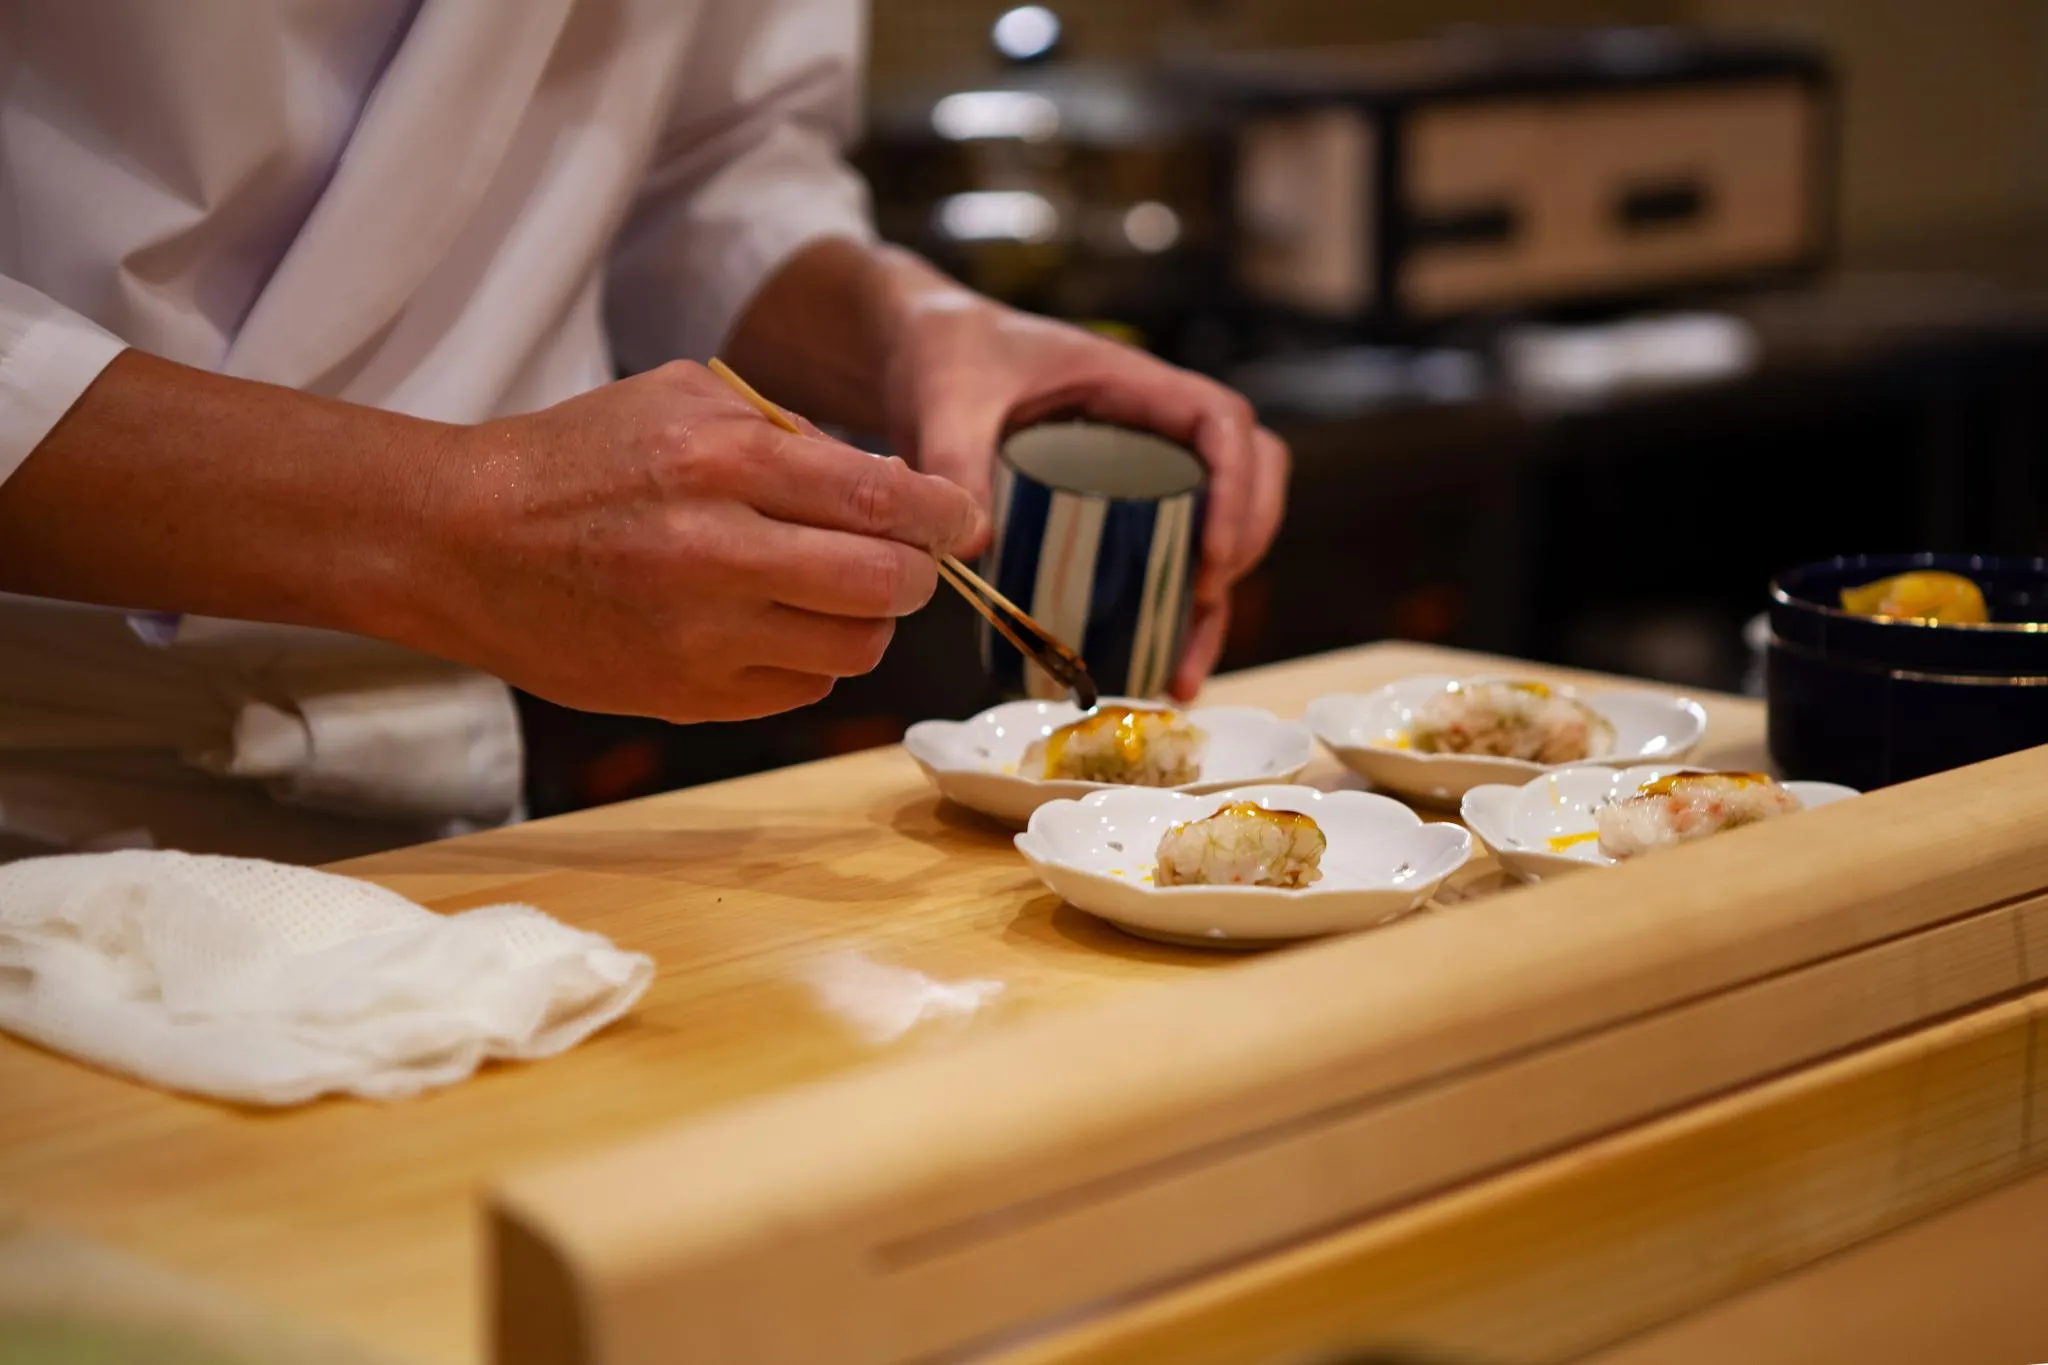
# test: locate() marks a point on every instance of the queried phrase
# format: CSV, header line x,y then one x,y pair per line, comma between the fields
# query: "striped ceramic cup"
x,y
1098,536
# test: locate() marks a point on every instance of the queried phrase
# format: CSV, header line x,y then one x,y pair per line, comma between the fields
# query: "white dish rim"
x,y
1514,856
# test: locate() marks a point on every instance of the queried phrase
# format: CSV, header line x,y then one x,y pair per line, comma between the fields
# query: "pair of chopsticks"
x,y
1060,663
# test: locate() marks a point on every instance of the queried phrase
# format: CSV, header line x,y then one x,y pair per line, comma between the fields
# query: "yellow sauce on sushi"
x,y
1286,819
1130,741
1560,842
1943,598
1665,786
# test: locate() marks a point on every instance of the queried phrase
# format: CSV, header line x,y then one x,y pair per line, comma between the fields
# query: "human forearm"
x,y
821,332
652,547
169,488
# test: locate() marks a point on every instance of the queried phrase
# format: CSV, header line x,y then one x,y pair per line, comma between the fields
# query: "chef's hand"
x,y
656,547
875,339
965,371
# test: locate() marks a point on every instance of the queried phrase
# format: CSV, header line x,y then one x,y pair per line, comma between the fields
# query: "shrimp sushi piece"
x,y
1121,744
1242,845
1672,810
1519,720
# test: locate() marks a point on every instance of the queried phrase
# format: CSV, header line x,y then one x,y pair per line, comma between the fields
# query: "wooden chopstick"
x,y
761,405
988,614
1062,664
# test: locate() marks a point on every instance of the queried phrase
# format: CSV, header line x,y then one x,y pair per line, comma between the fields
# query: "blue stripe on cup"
x,y
1110,572
1110,645
1012,567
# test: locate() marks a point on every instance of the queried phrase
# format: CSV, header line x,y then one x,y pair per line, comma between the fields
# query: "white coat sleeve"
x,y
49,355
750,171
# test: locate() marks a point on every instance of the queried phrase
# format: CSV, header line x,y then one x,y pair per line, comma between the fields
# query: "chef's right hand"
x,y
658,548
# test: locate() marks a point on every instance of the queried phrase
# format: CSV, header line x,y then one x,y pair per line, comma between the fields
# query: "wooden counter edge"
x,y
912,1162
1627,1233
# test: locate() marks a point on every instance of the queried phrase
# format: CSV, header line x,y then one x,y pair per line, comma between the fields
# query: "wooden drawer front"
x,y
1523,201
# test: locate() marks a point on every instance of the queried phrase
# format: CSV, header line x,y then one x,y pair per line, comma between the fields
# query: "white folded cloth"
x,y
265,984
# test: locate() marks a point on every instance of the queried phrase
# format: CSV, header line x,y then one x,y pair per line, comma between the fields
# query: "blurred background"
x,y
1579,329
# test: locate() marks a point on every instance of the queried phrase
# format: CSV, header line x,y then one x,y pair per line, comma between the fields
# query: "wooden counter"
x,y
806,922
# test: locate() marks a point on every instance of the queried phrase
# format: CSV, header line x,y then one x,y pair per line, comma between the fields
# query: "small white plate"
x,y
975,761
1519,823
1364,730
1381,863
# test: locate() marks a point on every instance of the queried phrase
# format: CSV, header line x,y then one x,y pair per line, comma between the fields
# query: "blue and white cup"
x,y
1098,534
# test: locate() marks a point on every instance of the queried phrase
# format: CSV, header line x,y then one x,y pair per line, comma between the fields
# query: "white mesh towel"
x,y
266,984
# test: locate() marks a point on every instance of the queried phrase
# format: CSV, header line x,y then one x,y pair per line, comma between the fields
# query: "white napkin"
x,y
265,984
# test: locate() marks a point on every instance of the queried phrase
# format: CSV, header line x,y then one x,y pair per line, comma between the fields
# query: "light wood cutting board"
x,y
1860,984
66,1301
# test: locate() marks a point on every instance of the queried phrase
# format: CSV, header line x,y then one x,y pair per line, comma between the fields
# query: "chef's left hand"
x,y
964,370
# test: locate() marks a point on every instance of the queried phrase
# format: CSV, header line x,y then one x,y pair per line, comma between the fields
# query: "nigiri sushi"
x,y
1121,744
1520,720
1675,809
1242,845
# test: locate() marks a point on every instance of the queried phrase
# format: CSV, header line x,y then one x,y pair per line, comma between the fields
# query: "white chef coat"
x,y
458,209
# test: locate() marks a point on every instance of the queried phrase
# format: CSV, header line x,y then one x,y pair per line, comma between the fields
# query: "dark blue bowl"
x,y
1806,609
1868,702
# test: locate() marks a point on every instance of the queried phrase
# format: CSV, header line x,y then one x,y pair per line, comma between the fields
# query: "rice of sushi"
x,y
1524,721
1242,845
1685,806
1124,745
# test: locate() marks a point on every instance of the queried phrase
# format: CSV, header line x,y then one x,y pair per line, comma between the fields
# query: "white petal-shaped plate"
x,y
1540,829
974,762
1366,732
1381,863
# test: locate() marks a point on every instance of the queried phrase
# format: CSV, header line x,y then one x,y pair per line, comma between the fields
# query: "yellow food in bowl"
x,y
1947,598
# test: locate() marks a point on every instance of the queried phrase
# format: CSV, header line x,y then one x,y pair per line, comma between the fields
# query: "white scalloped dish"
x,y
975,762
1545,828
1370,734
1381,862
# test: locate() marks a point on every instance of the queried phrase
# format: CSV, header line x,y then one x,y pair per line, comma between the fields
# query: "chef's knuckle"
x,y
667,443
693,462
682,374
772,447
874,497
1234,409
705,552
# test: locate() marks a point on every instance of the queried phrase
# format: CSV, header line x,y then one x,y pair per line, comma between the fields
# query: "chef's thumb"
x,y
956,440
